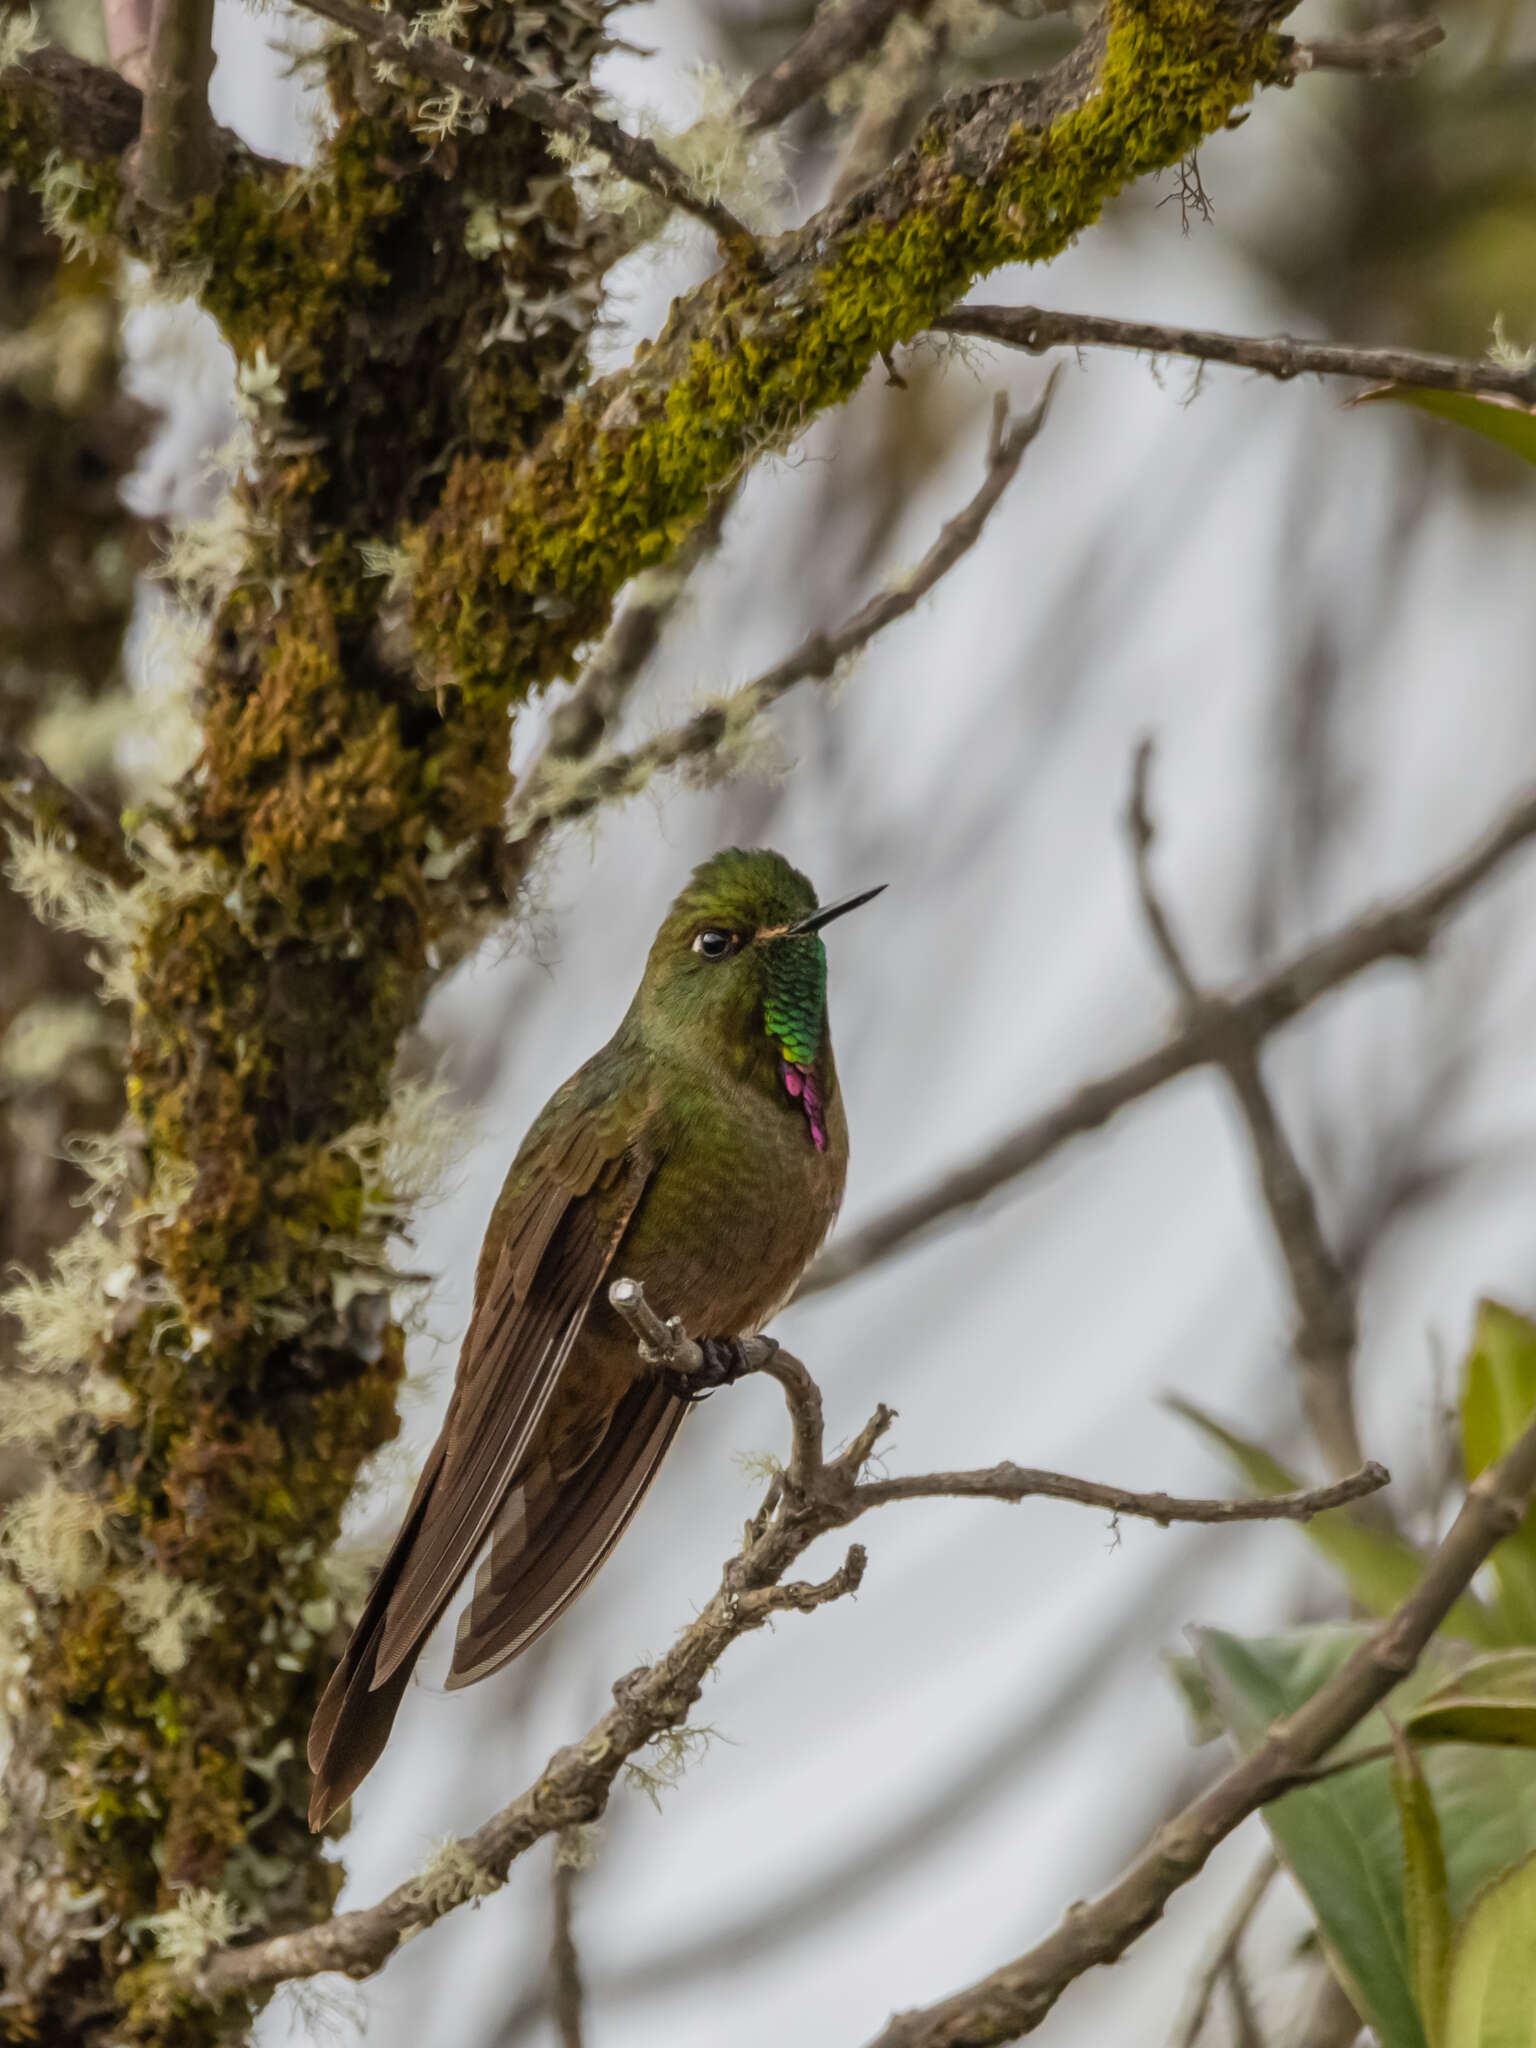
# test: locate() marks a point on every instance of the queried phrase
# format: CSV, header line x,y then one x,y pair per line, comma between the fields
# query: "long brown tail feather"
x,y
353,1720
550,1538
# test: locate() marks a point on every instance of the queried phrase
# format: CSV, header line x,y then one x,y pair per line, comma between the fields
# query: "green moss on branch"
x,y
520,562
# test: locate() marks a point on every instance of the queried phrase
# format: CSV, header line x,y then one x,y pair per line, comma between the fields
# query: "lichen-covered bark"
x,y
410,321
410,300
68,549
520,561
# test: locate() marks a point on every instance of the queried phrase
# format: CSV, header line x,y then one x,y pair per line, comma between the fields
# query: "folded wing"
x,y
567,1204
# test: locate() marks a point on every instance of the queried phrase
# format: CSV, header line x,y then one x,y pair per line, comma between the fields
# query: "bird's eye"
x,y
715,944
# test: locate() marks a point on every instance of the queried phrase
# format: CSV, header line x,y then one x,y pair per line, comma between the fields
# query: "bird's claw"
x,y
724,1361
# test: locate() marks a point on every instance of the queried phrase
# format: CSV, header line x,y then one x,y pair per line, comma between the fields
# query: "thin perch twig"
x,y
816,658
1014,2000
1281,356
1327,1328
632,156
813,1496
1401,930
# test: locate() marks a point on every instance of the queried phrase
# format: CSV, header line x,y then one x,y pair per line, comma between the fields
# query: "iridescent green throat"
x,y
795,996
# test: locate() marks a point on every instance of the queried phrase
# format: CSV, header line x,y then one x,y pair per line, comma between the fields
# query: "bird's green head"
x,y
739,959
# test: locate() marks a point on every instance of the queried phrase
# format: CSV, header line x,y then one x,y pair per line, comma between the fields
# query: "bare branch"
x,y
1015,1999
174,158
564,1959
1249,1900
1391,51
584,720
581,724
30,789
576,1783
813,1497
906,79
837,37
1036,330
632,156
816,658
1327,1328
1401,930
1022,1482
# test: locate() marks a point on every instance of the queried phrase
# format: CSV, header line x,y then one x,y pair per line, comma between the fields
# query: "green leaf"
x,y
1498,1399
1504,420
1426,1888
1491,2000
1202,1722
1492,1701
1342,1838
1379,1568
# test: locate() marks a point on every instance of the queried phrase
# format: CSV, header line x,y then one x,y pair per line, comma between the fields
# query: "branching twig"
x,y
817,657
1238,1921
1015,1999
632,156
812,1497
1404,929
905,80
1034,329
1326,1324
1023,1482
1390,51
174,158
584,720
579,727
30,789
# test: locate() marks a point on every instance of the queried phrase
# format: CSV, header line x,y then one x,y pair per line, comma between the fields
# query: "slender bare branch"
x,y
1391,51
816,658
581,724
174,158
1036,330
632,156
1013,2000
1238,1921
587,716
837,37
905,80
1010,1482
31,791
1327,1328
812,1497
1401,930
565,1987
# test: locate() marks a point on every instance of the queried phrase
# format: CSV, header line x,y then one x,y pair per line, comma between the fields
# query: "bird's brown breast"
x,y
737,1207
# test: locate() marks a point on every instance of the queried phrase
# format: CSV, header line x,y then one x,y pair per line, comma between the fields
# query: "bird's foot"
x,y
725,1361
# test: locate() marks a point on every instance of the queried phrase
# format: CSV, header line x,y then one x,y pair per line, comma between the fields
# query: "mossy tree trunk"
x,y
410,319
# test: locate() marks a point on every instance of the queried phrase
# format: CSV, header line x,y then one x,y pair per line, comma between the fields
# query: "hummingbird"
x,y
702,1152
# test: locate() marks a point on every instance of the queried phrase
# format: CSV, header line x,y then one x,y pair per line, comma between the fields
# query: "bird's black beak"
x,y
818,918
